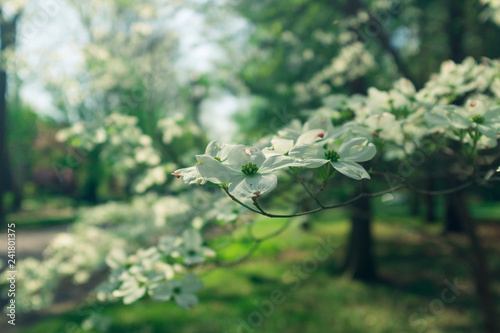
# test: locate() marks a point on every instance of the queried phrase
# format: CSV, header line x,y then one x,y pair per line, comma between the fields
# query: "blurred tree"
x,y
8,24
302,51
128,67
21,136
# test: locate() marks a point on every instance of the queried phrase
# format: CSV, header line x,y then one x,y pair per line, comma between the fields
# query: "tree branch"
x,y
404,184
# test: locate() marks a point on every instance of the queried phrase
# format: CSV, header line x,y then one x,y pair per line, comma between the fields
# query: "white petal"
x,y
189,175
213,148
458,120
437,118
357,150
282,146
475,107
307,152
351,169
224,151
313,163
311,136
489,131
240,155
214,171
134,295
253,186
276,162
492,115
311,156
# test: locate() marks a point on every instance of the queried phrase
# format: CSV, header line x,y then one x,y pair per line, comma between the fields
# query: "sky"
x,y
52,26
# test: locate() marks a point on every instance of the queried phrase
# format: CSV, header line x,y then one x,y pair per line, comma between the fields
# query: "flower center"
x,y
249,169
478,119
176,290
332,155
218,158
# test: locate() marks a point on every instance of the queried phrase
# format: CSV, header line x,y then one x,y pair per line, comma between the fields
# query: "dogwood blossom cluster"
x,y
109,235
155,271
249,172
460,103
122,145
491,10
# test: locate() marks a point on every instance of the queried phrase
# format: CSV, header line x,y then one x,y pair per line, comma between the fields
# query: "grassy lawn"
x,y
285,287
43,212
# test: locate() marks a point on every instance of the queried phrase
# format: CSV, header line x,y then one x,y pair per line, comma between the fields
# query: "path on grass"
x,y
30,242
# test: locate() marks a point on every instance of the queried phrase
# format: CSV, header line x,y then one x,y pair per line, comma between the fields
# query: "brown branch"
x,y
301,181
345,203
404,184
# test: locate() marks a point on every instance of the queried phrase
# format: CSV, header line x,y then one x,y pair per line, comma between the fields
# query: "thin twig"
x,y
301,181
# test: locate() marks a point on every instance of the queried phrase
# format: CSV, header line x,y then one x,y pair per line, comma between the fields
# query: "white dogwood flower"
x,y
343,160
282,146
477,114
182,292
247,171
474,115
191,176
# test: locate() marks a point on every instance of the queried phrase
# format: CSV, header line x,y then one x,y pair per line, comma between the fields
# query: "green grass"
x,y
413,264
43,212
41,220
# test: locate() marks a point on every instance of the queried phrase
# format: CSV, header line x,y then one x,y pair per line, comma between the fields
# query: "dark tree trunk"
x,y
8,39
93,179
481,276
430,207
359,262
414,202
3,145
456,30
15,171
456,212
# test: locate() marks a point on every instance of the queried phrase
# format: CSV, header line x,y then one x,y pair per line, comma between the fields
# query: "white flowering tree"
x,y
159,244
315,153
299,57
125,63
403,125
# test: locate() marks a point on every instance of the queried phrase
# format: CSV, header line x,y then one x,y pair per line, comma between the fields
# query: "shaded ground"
x,y
33,235
415,262
30,242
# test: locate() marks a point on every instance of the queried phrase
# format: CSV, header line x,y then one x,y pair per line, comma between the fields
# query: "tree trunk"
x,y
481,276
359,262
456,212
414,203
93,178
3,144
456,30
430,207
8,39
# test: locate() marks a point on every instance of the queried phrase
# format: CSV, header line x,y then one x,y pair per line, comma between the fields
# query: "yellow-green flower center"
x,y
249,169
218,158
332,155
478,119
